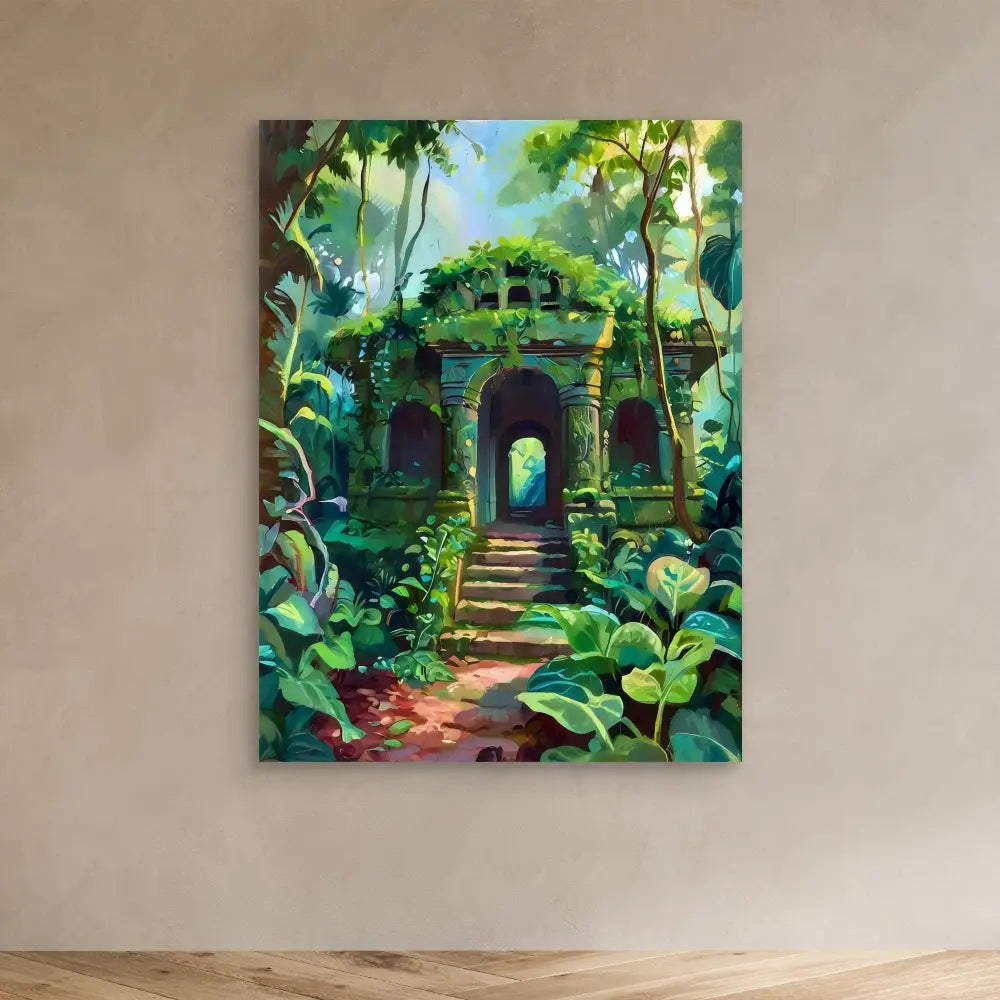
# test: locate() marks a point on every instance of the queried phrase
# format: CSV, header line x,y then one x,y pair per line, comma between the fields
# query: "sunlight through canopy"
x,y
527,473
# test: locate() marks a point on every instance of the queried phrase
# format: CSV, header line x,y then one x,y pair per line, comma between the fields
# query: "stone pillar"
x,y
584,436
460,454
461,445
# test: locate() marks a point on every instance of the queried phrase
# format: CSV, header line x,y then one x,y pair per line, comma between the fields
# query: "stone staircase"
x,y
515,566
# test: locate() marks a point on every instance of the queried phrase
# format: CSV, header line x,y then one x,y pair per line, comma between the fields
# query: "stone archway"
x,y
518,403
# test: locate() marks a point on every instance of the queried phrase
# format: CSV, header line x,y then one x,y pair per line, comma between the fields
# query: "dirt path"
x,y
456,720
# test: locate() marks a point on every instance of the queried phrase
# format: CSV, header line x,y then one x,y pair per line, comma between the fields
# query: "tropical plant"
x,y
692,597
426,594
581,691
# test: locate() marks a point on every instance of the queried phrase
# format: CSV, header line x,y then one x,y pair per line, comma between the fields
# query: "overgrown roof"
x,y
586,289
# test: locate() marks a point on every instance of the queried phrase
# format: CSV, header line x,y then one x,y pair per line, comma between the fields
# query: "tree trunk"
x,y
404,266
651,186
362,259
403,217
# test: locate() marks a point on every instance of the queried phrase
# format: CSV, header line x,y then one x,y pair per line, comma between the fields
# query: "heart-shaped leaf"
x,y
725,632
311,689
722,268
675,583
635,645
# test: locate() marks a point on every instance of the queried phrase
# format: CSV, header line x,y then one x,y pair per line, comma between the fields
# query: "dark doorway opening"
x,y
520,422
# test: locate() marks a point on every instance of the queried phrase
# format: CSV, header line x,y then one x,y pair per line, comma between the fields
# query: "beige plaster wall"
x,y
132,812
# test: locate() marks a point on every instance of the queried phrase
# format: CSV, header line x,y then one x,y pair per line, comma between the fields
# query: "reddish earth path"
x,y
455,720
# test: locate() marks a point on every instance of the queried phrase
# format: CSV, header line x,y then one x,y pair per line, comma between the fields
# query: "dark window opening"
x,y
550,297
415,444
632,446
518,295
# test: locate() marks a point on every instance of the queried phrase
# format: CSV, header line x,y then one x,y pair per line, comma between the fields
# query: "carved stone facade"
x,y
566,393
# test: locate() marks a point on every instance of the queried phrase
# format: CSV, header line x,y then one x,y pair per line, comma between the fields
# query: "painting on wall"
x,y
500,513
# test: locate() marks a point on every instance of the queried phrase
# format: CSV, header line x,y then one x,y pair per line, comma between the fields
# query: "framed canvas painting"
x,y
500,512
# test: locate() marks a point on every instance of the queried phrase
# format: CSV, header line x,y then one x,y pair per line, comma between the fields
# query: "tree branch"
x,y
325,152
620,145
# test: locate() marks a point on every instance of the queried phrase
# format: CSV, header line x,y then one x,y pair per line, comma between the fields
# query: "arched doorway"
x,y
520,405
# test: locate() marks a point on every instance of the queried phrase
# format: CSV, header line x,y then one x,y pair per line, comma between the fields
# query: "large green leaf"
x,y
726,632
307,747
722,595
587,629
268,689
722,268
635,750
311,689
690,647
672,683
676,584
321,381
586,713
273,586
569,676
296,550
724,552
723,680
294,614
564,755
625,749
680,680
269,741
635,645
308,413
696,737
337,653
265,538
644,684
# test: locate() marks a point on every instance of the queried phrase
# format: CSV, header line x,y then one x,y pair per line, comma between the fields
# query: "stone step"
x,y
493,590
519,644
553,546
519,574
520,557
525,533
489,612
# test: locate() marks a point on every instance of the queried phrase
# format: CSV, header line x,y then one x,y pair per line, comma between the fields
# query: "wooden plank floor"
x,y
503,975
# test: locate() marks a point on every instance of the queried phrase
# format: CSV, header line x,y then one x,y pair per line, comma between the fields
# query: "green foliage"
x,y
722,268
288,658
692,680
336,299
724,159
695,737
575,699
417,666
676,584
426,592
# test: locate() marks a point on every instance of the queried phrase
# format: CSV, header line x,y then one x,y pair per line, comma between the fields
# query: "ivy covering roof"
x,y
592,290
